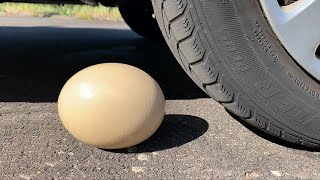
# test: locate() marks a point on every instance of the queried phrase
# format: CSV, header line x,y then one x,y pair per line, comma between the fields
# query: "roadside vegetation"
x,y
78,11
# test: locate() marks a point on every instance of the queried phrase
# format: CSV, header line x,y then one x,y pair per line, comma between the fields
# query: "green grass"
x,y
79,11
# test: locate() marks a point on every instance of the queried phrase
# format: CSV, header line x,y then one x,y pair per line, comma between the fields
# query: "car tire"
x,y
230,51
139,17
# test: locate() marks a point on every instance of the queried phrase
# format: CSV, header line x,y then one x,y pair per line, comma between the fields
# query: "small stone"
x,y
155,153
250,175
137,169
143,157
61,152
49,164
276,173
24,177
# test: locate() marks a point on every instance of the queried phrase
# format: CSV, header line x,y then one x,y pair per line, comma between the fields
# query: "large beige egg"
x,y
111,106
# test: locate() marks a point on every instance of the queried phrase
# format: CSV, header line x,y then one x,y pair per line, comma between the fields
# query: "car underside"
x,y
137,14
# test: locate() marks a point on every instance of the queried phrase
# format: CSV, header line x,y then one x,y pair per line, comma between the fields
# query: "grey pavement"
x,y
197,140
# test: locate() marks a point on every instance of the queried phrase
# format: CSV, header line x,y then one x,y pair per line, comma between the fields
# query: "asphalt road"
x,y
197,140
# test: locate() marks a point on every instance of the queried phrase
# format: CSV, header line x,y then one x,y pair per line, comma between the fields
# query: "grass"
x,y
78,11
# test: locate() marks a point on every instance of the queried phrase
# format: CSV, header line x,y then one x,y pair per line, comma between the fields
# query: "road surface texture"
x,y
197,140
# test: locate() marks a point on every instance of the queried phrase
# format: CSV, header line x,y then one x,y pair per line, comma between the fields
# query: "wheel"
x,y
139,17
259,59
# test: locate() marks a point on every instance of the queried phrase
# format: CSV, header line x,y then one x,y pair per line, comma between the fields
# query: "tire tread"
x,y
202,65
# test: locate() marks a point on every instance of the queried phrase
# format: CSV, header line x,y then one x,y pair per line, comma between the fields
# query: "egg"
x,y
111,106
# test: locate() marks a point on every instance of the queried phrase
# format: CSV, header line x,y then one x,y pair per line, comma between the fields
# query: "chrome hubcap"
x,y
298,28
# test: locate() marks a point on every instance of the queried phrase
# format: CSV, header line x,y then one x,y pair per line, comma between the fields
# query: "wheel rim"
x,y
298,30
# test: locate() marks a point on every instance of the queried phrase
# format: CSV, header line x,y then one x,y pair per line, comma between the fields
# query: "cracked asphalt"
x,y
197,140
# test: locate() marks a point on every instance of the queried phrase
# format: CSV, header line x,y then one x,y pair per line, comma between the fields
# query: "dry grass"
x,y
79,11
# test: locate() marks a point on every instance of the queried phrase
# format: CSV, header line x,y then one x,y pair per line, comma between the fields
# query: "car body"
x,y
137,14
